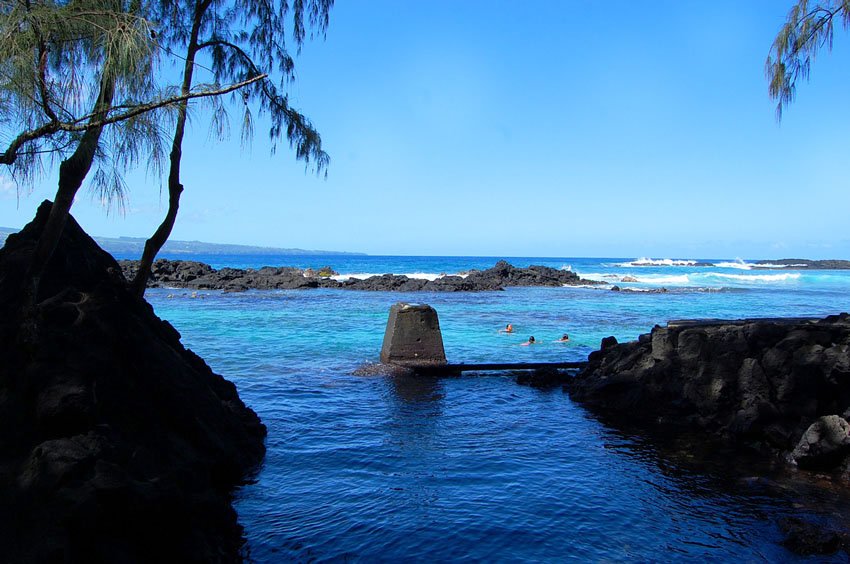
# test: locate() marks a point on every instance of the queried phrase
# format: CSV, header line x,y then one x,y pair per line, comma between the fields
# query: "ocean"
x,y
478,468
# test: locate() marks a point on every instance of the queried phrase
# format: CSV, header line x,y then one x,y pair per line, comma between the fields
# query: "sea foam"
x,y
756,277
662,280
737,263
770,265
644,261
417,275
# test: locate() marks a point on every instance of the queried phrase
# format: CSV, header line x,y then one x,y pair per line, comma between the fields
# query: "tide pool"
x,y
477,467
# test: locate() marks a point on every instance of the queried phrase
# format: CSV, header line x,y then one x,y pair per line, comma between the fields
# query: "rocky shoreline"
x,y
199,276
777,389
803,264
118,444
778,386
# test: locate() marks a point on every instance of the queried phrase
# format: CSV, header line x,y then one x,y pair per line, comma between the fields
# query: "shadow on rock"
x,y
119,444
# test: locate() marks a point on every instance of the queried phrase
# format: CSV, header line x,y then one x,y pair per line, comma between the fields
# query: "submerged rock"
x,y
759,383
809,539
542,378
119,444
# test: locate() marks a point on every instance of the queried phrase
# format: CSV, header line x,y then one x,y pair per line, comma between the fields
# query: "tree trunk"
x,y
72,172
175,188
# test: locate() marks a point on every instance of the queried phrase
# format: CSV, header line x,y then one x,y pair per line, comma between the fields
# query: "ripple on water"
x,y
476,467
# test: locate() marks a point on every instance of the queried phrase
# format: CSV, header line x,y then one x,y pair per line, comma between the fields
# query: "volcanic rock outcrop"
x,y
804,264
118,444
780,385
199,276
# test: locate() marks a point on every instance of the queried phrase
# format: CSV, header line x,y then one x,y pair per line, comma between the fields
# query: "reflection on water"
x,y
414,407
419,391
479,468
745,484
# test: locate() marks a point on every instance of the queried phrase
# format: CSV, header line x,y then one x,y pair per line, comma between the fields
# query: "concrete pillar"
x,y
413,336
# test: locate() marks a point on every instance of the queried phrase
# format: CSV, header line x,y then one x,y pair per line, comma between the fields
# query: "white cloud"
x,y
8,189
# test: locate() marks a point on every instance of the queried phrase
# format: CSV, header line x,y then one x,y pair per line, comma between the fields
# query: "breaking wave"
x,y
364,275
644,261
756,277
737,263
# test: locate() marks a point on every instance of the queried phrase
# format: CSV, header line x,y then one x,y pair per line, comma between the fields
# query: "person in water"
x,y
508,329
563,339
530,341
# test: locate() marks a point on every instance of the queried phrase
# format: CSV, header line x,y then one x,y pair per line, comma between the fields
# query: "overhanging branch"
x,y
54,126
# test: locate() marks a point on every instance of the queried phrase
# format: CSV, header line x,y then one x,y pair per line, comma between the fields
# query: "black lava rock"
x,y
199,276
119,444
760,383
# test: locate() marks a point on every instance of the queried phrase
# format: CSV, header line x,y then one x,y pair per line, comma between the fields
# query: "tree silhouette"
x,y
79,83
241,40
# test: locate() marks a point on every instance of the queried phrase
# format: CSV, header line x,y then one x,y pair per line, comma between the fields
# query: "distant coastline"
x,y
128,247
135,246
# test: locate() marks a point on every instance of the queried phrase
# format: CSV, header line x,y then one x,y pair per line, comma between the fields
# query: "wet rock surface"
x,y
200,276
757,383
119,444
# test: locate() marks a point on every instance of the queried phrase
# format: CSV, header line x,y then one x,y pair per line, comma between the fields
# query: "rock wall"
x,y
118,443
762,383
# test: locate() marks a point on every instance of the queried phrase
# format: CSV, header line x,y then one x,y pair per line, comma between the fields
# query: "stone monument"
x,y
413,337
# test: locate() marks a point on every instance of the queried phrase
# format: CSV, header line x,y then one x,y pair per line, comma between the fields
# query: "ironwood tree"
x,y
80,83
237,41
62,66
808,29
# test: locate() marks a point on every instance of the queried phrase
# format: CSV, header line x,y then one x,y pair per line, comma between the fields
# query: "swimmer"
x,y
530,341
563,339
508,329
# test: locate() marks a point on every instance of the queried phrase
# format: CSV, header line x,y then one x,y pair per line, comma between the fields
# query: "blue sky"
x,y
567,128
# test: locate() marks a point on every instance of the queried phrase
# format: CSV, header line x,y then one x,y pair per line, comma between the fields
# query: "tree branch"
x,y
42,81
54,126
309,145
222,43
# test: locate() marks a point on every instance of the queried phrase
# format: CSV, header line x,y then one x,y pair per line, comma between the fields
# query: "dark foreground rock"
x,y
757,383
200,276
118,444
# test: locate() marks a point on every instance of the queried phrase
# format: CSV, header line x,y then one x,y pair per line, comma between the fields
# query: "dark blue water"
x,y
479,468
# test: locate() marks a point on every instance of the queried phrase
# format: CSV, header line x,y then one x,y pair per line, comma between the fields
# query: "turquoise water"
x,y
381,468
